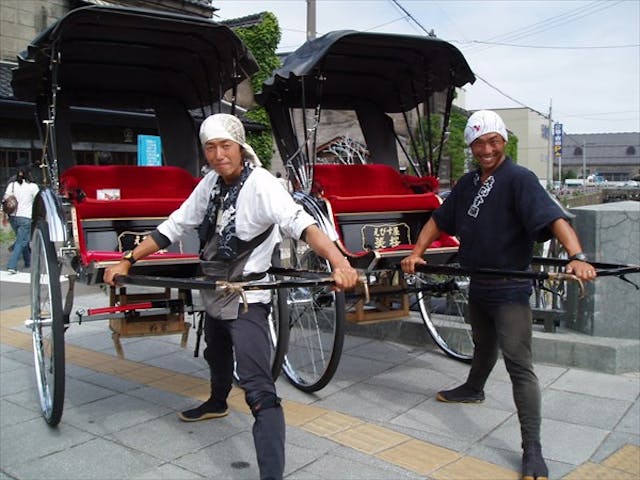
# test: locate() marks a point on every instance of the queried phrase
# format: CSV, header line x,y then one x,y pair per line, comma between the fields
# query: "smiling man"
x,y
240,210
498,212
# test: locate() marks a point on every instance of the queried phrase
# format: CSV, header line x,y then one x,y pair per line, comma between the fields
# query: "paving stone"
x,y
232,458
470,421
599,384
167,472
583,409
112,414
24,442
97,459
556,437
12,413
169,438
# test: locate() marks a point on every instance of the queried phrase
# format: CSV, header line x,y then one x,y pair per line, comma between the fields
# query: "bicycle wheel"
x,y
443,303
278,332
316,324
47,324
550,295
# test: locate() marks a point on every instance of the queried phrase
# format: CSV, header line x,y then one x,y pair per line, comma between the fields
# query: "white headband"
x,y
482,122
223,126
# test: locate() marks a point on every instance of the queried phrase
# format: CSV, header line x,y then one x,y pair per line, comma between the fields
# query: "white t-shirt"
x,y
25,193
262,202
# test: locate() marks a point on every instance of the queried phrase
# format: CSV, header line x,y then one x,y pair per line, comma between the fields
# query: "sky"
x,y
581,59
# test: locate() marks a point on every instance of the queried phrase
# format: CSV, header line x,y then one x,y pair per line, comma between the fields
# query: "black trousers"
x,y
507,327
246,340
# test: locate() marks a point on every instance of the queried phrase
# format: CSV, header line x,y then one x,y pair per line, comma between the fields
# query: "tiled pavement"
x,y
377,419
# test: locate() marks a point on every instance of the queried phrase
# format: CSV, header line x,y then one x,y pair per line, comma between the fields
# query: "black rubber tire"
x,y
279,332
316,320
47,324
443,303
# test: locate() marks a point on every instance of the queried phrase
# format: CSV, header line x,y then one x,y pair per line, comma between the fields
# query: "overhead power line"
x,y
552,22
551,47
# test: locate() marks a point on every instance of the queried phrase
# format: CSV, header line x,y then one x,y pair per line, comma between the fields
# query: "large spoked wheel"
x,y
316,318
443,302
278,331
47,324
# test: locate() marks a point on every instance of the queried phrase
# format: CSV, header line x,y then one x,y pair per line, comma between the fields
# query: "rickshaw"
x,y
382,90
354,119
162,73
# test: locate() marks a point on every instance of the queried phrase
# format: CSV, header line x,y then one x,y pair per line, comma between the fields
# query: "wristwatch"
x,y
579,256
128,256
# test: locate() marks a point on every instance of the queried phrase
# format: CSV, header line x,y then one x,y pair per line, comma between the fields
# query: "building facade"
x,y
532,129
612,156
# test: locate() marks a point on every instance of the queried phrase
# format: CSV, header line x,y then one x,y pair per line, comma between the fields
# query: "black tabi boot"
x,y
533,465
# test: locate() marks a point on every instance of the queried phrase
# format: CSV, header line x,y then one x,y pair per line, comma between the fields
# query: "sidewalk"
x,y
377,419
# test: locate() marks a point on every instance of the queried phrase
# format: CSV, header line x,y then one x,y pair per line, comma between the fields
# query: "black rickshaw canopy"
x,y
122,57
396,72
170,66
373,74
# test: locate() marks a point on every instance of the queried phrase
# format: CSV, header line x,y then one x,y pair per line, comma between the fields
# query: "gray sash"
x,y
224,305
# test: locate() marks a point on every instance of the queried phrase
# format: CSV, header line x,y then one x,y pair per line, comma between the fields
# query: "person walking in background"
x,y
25,192
498,212
240,209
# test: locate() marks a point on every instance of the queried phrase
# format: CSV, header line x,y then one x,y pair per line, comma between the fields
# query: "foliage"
x,y
7,235
262,39
512,147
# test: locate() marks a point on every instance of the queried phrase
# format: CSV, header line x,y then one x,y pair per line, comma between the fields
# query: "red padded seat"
x,y
144,191
376,188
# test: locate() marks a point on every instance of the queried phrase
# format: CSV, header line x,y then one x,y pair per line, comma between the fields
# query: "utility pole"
x,y
311,19
550,147
584,165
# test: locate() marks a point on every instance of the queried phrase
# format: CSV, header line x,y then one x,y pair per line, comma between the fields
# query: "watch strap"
x,y
578,256
128,255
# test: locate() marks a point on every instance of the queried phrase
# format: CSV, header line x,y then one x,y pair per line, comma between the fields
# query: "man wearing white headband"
x,y
498,212
239,209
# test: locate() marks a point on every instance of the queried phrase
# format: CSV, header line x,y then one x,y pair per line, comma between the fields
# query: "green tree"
x,y
262,39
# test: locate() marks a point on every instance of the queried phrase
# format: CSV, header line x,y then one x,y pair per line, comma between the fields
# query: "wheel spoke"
x,y
443,303
47,325
316,323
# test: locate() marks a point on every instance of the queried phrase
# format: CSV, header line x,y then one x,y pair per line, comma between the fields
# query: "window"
x,y
577,151
631,150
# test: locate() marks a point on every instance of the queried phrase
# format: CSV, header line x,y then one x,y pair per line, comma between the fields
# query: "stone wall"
x,y
609,233
21,21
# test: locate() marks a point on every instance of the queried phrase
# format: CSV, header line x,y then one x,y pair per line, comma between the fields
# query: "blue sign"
x,y
557,140
149,151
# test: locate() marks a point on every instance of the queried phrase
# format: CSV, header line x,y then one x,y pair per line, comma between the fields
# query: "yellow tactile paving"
x,y
177,383
298,414
13,317
370,439
145,374
626,459
238,404
393,447
469,468
420,457
595,471
201,392
16,339
330,423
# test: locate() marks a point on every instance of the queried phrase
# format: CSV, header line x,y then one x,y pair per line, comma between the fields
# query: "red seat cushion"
x,y
145,192
384,203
